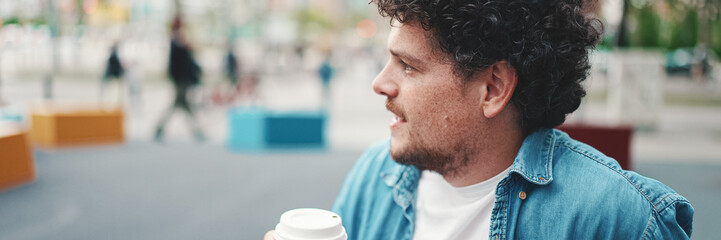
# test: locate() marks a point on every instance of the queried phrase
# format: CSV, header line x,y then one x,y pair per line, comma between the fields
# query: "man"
x,y
185,73
113,71
476,87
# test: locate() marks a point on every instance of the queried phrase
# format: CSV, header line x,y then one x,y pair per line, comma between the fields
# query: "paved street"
x,y
141,190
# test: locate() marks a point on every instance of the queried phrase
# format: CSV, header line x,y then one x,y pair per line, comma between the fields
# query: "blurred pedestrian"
x,y
232,66
114,71
135,78
185,73
326,72
700,67
299,49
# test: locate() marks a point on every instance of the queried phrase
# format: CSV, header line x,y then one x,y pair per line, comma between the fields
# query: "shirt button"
x,y
522,195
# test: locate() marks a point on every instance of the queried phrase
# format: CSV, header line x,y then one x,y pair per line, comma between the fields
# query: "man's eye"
x,y
406,67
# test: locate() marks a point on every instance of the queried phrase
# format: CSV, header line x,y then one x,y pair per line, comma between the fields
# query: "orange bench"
x,y
16,161
54,126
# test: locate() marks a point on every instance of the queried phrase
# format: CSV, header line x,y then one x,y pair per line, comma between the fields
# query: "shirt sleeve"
x,y
673,221
349,202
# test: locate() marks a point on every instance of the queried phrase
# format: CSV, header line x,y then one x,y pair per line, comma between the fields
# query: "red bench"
x,y
614,141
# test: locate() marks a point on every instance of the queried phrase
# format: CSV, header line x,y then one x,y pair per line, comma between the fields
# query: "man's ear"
x,y
497,88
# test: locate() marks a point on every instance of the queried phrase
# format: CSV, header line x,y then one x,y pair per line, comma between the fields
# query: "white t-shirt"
x,y
447,212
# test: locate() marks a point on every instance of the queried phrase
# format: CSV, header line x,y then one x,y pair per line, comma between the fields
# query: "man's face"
x,y
435,112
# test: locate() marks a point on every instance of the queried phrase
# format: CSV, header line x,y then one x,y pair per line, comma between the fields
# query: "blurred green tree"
x,y
716,36
670,24
310,20
648,27
685,33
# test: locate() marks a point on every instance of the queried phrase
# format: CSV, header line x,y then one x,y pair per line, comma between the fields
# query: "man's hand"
x,y
269,235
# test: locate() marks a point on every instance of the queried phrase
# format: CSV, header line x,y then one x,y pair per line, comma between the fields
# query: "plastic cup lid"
x,y
310,223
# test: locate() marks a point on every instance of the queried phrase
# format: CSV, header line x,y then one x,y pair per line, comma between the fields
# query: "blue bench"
x,y
252,128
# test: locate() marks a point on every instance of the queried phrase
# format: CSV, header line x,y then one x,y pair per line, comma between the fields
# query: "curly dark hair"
x,y
545,41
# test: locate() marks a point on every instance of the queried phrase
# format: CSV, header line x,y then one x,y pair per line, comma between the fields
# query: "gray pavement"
x,y
145,190
700,184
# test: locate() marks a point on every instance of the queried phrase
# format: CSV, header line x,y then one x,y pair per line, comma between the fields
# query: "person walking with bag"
x,y
185,73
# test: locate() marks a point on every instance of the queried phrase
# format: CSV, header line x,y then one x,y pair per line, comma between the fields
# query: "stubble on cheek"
x,y
431,146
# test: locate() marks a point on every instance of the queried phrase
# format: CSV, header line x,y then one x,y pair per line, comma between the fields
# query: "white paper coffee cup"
x,y
309,224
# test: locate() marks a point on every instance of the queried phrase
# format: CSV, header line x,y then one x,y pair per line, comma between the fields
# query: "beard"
x,y
422,156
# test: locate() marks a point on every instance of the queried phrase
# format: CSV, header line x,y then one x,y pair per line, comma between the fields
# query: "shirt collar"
x,y
393,175
404,181
534,160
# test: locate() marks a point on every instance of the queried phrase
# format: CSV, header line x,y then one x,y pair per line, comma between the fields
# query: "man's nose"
x,y
384,84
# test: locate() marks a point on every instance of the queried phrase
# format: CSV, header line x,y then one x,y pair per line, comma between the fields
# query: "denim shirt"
x,y
557,188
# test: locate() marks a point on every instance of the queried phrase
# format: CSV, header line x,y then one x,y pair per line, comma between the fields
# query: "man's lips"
x,y
397,111
399,118
397,121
